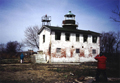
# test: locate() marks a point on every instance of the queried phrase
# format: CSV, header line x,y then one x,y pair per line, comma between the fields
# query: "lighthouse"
x,y
67,43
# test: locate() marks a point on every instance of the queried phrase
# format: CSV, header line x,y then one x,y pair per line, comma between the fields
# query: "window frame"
x,y
94,40
58,50
77,38
43,38
93,51
67,36
57,35
77,50
85,38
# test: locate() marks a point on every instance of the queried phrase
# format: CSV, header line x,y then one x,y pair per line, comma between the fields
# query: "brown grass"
x,y
49,73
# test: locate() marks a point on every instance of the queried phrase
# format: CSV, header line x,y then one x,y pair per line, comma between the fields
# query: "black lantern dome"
x,y
69,21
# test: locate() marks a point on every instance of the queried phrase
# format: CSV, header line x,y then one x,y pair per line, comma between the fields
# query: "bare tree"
x,y
117,41
108,40
31,37
116,17
20,46
13,47
10,49
2,47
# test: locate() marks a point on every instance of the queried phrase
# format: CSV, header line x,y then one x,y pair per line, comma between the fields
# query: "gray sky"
x,y
17,15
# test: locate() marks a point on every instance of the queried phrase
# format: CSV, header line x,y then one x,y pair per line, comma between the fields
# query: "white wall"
x,y
44,45
67,46
68,54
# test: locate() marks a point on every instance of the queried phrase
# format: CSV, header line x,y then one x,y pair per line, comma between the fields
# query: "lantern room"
x,y
46,20
69,16
69,21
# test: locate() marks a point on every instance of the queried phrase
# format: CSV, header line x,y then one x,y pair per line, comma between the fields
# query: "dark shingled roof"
x,y
77,31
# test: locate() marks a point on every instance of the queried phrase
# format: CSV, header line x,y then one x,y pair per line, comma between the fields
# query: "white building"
x,y
67,43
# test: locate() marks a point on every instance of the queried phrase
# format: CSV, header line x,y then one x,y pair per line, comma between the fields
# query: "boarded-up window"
x,y
57,35
67,36
85,37
94,39
58,50
43,38
77,37
77,50
93,51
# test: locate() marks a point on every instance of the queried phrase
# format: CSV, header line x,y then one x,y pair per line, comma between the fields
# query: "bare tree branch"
x,y
118,41
31,37
108,40
116,17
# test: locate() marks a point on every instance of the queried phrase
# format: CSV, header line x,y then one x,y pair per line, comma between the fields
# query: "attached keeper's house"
x,y
67,43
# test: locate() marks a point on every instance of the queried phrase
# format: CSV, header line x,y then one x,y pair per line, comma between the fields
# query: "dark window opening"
x,y
94,39
77,37
93,51
58,50
57,35
72,46
67,36
77,50
43,38
85,38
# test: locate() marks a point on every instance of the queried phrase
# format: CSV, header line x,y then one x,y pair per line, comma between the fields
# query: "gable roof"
x,y
77,31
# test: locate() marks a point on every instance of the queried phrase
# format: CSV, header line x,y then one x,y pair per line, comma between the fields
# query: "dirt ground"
x,y
53,73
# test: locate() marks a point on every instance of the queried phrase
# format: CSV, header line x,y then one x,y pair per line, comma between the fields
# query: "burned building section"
x,y
68,43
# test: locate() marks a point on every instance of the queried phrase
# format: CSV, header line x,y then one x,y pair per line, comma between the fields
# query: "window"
x,y
43,38
58,50
57,35
67,37
77,50
93,51
77,37
85,38
94,39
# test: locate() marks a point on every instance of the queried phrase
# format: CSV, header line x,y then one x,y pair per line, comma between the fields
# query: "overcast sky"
x,y
17,15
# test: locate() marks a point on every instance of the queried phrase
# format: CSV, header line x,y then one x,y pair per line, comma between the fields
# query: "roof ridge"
x,y
56,28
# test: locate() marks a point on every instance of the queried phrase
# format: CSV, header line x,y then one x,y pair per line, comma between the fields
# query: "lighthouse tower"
x,y
46,20
69,21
